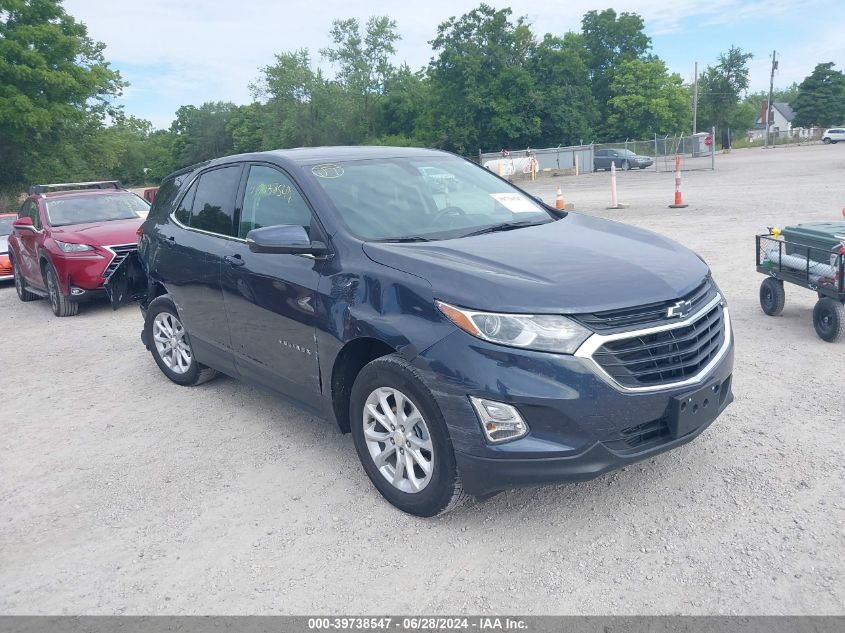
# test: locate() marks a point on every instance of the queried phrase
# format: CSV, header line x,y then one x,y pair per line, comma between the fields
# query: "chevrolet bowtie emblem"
x,y
680,309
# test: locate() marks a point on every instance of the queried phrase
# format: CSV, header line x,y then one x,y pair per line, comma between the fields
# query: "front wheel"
x,y
59,303
170,345
402,440
826,141
829,319
772,296
626,166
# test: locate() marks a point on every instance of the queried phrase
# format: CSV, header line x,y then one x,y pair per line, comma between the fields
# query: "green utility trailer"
x,y
811,256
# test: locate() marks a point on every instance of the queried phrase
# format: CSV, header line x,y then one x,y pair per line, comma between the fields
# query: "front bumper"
x,y
83,273
581,425
482,476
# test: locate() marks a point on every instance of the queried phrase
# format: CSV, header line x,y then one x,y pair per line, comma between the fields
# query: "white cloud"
x,y
211,50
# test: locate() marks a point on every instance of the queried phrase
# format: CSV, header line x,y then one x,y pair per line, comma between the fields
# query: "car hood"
x,y
109,233
577,264
4,244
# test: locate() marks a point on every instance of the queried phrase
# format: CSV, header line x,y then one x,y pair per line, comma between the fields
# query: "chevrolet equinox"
x,y
471,338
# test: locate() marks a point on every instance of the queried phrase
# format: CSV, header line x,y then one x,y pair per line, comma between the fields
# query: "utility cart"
x,y
811,256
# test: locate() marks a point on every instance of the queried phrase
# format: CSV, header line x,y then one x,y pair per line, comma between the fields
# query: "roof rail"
x,y
72,186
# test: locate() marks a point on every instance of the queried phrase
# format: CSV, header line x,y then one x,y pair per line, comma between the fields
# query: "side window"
x,y
30,210
183,211
214,203
271,199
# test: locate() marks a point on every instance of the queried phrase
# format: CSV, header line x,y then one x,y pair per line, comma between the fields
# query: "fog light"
x,y
77,291
500,421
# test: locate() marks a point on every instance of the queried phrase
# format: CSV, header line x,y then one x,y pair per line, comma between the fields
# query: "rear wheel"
x,y
826,141
402,440
772,296
829,319
170,345
20,284
61,305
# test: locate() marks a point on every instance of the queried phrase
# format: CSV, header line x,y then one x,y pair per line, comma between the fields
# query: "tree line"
x,y
492,83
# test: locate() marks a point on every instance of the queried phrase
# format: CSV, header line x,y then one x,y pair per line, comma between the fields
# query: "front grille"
x,y
648,315
120,253
666,356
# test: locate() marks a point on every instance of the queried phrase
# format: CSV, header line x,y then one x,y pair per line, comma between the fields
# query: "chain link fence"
x,y
697,152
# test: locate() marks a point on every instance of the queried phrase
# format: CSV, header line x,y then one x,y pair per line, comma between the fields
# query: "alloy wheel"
x,y
171,344
398,439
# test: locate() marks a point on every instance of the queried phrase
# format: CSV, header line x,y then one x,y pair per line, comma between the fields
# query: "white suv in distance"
x,y
833,135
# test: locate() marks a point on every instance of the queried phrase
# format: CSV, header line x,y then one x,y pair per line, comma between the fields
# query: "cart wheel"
x,y
772,296
829,319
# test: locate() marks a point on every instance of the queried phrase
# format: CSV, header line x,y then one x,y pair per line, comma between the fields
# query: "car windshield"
x,y
6,225
98,208
424,198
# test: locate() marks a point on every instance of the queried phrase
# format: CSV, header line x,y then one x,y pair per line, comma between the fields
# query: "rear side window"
x,y
271,199
213,208
166,195
183,211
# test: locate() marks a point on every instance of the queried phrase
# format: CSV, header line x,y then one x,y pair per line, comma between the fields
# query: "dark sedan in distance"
x,y
624,159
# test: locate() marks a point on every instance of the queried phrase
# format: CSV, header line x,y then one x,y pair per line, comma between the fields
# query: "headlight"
x,y
541,332
69,247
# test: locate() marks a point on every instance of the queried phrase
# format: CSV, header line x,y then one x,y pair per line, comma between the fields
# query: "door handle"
x,y
234,260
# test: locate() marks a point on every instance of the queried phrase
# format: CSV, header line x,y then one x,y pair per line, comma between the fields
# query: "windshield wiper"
x,y
410,238
504,226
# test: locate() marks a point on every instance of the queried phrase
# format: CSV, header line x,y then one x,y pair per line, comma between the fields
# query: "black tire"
x,y
195,373
829,320
443,491
60,304
826,141
772,296
643,166
20,284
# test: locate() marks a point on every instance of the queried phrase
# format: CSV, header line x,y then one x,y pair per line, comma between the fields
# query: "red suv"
x,y
66,243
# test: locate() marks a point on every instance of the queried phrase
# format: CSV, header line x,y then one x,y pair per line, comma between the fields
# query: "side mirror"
x,y
284,239
24,224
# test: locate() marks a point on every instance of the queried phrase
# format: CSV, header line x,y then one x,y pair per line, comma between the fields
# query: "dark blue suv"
x,y
470,337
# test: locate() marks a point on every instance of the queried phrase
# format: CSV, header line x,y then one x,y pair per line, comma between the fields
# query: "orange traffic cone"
x,y
559,203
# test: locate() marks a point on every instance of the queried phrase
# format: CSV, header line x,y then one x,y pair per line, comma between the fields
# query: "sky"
x,y
192,51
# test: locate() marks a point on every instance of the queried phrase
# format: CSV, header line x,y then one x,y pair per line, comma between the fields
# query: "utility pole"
x,y
695,102
771,91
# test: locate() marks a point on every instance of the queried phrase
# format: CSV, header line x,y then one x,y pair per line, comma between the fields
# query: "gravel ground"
x,y
123,493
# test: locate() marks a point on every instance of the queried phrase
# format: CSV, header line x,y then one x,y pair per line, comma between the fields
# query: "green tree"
x,y
485,95
363,60
55,86
720,89
248,125
610,40
402,108
647,100
821,98
201,133
568,110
